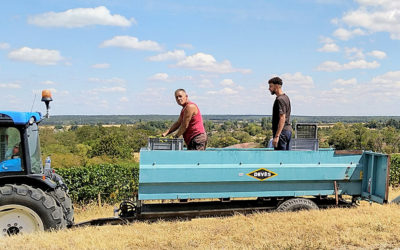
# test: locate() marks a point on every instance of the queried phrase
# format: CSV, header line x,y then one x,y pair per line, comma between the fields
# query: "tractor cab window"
x,y
10,149
34,149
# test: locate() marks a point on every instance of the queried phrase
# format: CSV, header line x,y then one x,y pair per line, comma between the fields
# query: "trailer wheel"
x,y
24,209
297,204
66,204
396,200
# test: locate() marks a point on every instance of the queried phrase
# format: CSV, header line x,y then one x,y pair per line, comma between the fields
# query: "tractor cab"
x,y
19,143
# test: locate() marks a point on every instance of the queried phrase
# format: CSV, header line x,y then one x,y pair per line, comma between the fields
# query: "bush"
x,y
395,170
113,182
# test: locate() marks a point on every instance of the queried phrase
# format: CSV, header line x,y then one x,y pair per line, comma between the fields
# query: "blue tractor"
x,y
32,197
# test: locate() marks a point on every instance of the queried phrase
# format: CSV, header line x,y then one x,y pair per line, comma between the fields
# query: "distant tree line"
x,y
133,119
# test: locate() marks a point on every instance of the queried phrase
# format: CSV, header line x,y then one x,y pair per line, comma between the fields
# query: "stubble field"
x,y
367,226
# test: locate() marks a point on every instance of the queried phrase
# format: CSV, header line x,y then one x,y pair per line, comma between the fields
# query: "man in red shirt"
x,y
189,124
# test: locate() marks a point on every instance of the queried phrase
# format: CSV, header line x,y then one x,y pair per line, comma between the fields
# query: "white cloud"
x,y
227,83
344,34
37,56
224,91
206,83
343,82
10,86
389,80
164,77
124,99
354,53
335,21
376,16
185,46
170,55
80,17
4,46
130,42
159,77
324,39
205,62
229,91
156,98
329,47
298,80
48,82
377,54
115,80
335,66
108,90
101,66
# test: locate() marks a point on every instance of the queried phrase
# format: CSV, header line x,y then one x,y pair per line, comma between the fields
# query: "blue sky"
x,y
127,57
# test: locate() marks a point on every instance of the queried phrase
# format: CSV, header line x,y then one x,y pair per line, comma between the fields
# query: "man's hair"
x,y
178,90
275,80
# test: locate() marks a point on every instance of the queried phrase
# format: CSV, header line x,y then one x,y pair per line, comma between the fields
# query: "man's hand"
x,y
164,134
275,141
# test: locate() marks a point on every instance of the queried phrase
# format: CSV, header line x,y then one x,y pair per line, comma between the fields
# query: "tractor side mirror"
x,y
46,98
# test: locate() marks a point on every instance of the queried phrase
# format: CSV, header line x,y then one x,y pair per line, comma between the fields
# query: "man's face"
x,y
272,88
15,150
181,97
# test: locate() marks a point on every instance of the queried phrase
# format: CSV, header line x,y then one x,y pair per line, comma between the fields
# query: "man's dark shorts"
x,y
199,142
284,140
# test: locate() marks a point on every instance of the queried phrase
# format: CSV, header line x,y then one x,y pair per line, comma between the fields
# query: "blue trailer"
x,y
282,180
182,183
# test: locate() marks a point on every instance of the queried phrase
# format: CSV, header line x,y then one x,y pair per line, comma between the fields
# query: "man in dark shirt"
x,y
281,128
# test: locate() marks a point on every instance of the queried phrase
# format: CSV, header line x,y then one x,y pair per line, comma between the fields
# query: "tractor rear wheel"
x,y
296,204
25,209
66,204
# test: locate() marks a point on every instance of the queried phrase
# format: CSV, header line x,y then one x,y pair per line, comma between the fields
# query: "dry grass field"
x,y
365,227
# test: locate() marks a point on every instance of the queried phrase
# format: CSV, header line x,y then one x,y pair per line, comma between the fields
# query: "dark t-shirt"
x,y
281,106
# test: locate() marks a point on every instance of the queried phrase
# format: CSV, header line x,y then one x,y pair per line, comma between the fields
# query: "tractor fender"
x,y
35,181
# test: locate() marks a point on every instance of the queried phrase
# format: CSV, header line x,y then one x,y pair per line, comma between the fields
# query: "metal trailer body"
x,y
182,183
241,173
265,174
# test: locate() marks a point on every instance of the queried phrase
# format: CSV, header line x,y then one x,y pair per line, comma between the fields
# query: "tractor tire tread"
x,y
35,198
296,204
66,204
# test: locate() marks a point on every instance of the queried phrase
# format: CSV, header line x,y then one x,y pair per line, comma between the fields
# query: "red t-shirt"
x,y
195,127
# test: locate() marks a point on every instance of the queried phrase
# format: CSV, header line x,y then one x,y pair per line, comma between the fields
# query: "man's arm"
x,y
173,128
187,116
281,124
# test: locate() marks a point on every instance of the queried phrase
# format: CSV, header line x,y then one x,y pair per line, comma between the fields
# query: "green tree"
x,y
360,135
209,126
253,129
266,124
112,145
242,136
341,137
